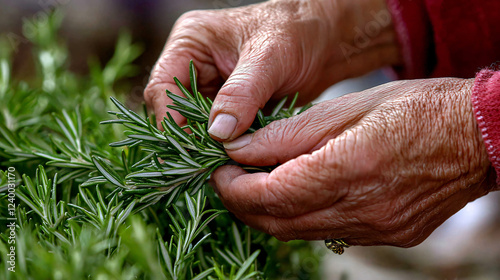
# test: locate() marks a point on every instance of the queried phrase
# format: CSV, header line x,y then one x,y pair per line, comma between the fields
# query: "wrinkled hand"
x,y
384,166
247,56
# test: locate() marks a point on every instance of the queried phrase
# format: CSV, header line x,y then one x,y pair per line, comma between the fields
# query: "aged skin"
x,y
384,166
247,56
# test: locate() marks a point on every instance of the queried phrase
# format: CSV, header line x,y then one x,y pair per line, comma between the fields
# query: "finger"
x,y
313,226
336,223
257,75
236,200
185,43
285,139
297,187
281,141
171,64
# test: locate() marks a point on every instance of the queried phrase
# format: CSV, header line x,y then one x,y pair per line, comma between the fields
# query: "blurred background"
x,y
467,246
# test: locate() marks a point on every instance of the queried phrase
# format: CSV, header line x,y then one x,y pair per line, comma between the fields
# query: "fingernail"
x,y
238,143
223,126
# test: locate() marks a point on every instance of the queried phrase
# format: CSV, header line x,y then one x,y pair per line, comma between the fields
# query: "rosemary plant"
x,y
135,209
177,160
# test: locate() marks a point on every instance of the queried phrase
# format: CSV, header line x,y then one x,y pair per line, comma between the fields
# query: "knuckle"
x,y
194,28
150,93
207,23
190,17
242,107
274,132
278,201
266,44
385,224
157,78
405,238
274,230
243,79
340,145
385,219
279,230
353,154
289,130
249,85
244,85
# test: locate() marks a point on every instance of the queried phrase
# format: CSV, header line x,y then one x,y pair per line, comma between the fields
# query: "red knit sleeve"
x,y
414,32
486,103
446,37
455,38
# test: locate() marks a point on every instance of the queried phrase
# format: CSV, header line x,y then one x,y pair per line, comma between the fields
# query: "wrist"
x,y
364,38
485,99
475,150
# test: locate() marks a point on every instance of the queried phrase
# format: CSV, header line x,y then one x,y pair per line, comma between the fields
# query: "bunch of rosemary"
x,y
86,210
176,161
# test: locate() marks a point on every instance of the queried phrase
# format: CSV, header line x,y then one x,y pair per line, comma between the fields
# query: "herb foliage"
x,y
137,208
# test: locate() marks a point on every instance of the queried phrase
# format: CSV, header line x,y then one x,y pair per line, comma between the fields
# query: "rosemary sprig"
x,y
177,161
51,142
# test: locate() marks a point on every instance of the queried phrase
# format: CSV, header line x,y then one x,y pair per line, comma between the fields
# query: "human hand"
x,y
249,55
384,166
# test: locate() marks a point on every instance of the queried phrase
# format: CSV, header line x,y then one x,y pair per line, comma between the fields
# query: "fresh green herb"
x,y
177,160
135,209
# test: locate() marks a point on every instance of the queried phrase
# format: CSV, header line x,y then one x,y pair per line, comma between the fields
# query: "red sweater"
x,y
456,38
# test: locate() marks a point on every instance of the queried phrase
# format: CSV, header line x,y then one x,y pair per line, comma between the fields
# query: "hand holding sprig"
x,y
384,166
251,55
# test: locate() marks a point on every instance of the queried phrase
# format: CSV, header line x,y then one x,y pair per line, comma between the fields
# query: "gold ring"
x,y
336,245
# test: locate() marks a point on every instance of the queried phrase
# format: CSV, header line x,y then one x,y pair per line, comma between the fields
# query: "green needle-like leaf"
x,y
107,172
246,265
85,210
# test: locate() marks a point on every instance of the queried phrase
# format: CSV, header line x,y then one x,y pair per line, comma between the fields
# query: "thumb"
x,y
285,139
254,80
